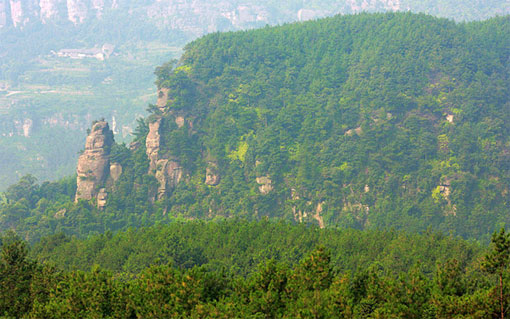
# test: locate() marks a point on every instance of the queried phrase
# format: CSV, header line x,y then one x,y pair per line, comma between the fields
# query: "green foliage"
x,y
239,246
499,257
368,121
311,286
15,277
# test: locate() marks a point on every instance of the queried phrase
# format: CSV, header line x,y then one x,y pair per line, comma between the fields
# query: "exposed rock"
x,y
101,198
94,163
60,214
298,214
317,216
134,145
301,214
113,176
162,98
211,174
179,120
265,184
152,143
196,17
360,211
351,132
16,13
98,6
115,171
168,173
50,9
293,194
445,191
76,11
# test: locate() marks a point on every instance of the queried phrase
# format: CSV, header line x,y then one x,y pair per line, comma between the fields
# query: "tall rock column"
x,y
165,168
94,163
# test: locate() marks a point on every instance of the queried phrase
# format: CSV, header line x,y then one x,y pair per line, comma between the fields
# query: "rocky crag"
x,y
94,167
199,17
166,168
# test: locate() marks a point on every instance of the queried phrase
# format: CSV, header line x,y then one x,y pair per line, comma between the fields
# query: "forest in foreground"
x,y
254,270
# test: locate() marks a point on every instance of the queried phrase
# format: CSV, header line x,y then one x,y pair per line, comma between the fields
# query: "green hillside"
x,y
365,121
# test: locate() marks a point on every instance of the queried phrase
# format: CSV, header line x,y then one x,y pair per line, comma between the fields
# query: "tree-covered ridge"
x,y
381,120
444,278
364,121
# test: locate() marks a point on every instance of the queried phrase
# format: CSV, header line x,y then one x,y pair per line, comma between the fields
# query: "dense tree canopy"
x,y
415,276
365,121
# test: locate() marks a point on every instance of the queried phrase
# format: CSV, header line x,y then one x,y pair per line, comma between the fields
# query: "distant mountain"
x,y
46,94
200,16
365,121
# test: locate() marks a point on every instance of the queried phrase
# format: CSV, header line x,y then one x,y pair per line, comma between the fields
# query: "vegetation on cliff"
x,y
365,121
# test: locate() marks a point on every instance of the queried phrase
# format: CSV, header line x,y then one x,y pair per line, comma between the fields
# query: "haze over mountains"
x,y
55,79
365,121
323,169
201,16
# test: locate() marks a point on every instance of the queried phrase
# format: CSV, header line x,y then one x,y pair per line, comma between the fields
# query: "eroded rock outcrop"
x,y
152,143
265,184
200,16
102,195
212,176
162,98
165,168
94,163
168,173
114,174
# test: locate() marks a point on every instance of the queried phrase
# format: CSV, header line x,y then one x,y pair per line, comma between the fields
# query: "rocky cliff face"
x,y
19,13
94,164
166,169
196,17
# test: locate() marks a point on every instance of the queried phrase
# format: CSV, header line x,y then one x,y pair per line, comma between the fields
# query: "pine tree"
x,y
496,261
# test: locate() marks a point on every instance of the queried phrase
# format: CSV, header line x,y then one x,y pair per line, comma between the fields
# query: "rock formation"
x,y
152,143
265,184
211,174
94,163
115,171
169,174
101,198
166,169
200,16
162,98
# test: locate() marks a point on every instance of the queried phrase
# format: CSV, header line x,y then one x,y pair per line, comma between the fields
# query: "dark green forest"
x,y
239,269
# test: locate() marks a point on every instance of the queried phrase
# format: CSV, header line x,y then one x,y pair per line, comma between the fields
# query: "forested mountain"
x,y
54,78
365,121
275,177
